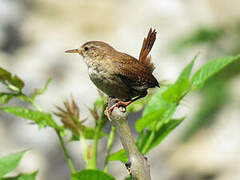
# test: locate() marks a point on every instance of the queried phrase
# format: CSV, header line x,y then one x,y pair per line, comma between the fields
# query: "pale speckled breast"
x,y
109,84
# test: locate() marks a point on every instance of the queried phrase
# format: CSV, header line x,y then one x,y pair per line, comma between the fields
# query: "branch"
x,y
137,164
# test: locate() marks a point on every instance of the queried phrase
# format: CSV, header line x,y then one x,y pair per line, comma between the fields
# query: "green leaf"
x,y
4,75
38,92
99,103
149,120
23,176
179,89
23,97
209,69
156,119
40,118
176,91
143,137
139,104
17,82
91,175
159,135
128,178
185,74
119,156
159,109
163,103
165,130
156,103
5,97
10,162
14,83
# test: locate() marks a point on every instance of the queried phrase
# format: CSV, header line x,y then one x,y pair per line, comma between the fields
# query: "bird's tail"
x,y
146,48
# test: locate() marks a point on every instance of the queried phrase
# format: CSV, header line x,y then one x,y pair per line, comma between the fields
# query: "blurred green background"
x,y
35,34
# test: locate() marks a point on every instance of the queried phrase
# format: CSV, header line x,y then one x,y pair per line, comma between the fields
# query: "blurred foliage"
x,y
91,175
222,40
199,36
9,162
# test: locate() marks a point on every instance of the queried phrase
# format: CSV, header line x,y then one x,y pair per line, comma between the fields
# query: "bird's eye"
x,y
85,48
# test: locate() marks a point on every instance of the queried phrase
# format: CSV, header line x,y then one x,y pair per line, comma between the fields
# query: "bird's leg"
x,y
121,103
110,102
118,104
106,112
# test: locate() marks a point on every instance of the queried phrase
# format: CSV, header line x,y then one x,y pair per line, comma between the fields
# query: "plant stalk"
x,y
99,124
109,147
93,158
65,152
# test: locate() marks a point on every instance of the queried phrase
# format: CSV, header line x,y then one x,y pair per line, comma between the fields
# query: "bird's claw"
x,y
107,113
108,110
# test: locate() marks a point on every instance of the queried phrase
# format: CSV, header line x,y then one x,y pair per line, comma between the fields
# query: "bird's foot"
x,y
107,113
108,110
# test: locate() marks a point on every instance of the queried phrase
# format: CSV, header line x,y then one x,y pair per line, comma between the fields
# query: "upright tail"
x,y
146,48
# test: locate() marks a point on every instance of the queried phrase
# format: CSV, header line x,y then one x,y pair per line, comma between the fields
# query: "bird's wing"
x,y
146,48
134,74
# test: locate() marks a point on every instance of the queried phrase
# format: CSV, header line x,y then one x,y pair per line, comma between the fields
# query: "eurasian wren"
x,y
117,74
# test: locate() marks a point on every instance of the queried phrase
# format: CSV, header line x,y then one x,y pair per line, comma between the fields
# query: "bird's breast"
x,y
108,83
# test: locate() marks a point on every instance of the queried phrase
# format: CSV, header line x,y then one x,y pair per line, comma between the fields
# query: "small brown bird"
x,y
117,74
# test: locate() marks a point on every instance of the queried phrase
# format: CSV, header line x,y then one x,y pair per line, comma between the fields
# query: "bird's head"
x,y
94,50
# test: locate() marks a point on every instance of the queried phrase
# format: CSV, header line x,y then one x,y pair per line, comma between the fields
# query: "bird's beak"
x,y
74,51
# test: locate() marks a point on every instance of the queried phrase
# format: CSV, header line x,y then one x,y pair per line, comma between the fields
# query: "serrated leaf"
x,y
4,74
23,97
23,176
209,69
40,118
17,82
119,156
5,97
14,83
38,92
10,162
91,175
